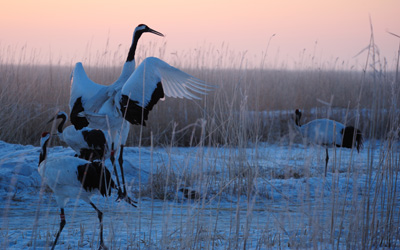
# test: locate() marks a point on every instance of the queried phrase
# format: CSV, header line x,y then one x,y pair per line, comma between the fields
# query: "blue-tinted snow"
x,y
284,201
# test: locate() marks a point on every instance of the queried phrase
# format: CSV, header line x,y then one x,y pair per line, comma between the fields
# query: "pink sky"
x,y
326,29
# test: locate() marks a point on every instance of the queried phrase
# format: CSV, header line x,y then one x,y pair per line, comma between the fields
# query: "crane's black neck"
x,y
61,125
132,50
43,152
297,117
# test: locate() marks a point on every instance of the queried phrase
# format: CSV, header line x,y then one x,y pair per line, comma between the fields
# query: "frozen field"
x,y
265,196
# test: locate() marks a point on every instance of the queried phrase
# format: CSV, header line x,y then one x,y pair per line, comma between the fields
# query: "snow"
x,y
267,195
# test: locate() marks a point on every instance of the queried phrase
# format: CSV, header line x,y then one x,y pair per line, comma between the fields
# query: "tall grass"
x,y
30,94
249,107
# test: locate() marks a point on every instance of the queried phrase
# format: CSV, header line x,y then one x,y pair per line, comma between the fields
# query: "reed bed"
x,y
31,94
250,109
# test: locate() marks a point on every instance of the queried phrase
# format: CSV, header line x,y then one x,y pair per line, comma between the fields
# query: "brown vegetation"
x,y
259,101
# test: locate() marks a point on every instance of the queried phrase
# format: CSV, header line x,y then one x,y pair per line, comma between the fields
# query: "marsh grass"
x,y
31,93
250,107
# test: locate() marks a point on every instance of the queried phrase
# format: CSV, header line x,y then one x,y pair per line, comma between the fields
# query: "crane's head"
x,y
44,138
297,117
60,115
142,28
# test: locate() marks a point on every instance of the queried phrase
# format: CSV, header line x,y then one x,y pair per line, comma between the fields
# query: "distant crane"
x,y
329,133
89,144
71,177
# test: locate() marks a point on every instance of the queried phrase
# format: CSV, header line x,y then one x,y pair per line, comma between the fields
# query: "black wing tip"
x,y
351,133
94,176
136,114
76,120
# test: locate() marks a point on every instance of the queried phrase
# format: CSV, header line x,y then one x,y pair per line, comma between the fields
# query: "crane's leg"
x,y
326,161
62,224
123,195
112,159
100,216
121,162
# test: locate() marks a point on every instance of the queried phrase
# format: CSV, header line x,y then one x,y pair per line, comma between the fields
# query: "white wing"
x,y
61,171
88,97
74,139
153,80
107,94
323,132
175,82
82,86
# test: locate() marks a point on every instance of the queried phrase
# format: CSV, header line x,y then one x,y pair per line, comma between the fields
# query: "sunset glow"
x,y
324,29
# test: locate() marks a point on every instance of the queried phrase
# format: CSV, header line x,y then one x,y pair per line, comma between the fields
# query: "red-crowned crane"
x,y
153,80
88,95
329,133
110,109
97,98
89,144
71,177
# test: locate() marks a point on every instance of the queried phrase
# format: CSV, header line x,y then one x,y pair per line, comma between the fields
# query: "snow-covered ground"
x,y
265,196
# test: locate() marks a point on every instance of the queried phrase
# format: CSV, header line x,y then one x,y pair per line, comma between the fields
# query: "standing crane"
x,y
329,133
110,109
88,95
152,81
71,177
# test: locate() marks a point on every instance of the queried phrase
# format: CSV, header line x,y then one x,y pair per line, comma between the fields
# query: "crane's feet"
x,y
124,196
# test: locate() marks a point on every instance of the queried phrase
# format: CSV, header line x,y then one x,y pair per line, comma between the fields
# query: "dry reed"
x,y
250,106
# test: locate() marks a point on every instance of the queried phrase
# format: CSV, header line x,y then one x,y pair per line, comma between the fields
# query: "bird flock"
x,y
101,117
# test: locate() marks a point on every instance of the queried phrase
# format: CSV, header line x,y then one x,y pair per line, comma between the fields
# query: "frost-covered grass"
x,y
30,94
256,183
262,196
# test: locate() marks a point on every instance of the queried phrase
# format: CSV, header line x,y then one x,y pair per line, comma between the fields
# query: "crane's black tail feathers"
x,y
95,175
351,133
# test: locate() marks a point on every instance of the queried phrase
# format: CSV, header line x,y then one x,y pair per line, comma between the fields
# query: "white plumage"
x,y
88,97
323,132
71,178
128,99
60,174
329,133
175,82
89,144
152,81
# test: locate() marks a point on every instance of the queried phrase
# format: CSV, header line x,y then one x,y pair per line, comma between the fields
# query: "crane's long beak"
x,y
52,119
155,32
